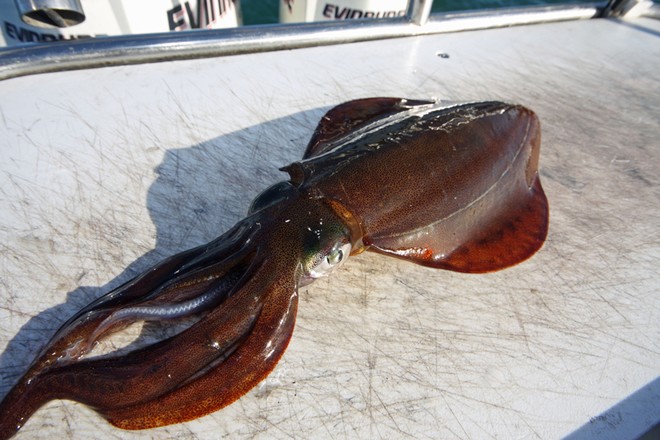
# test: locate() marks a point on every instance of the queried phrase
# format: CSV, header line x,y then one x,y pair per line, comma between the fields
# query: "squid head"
x,y
448,187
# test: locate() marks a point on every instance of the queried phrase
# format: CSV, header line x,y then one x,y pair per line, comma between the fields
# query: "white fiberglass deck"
x,y
116,168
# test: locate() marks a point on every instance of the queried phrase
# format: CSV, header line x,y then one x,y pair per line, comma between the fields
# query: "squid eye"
x,y
335,256
331,261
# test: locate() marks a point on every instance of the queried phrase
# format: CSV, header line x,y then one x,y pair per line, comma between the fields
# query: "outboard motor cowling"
x,y
51,13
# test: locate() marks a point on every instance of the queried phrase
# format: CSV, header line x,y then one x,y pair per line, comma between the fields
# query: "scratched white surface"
x,y
105,172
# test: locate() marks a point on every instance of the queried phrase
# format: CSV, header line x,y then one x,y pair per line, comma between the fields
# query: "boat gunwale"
x,y
171,46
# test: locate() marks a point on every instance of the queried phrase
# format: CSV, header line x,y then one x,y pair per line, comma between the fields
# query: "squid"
x,y
453,187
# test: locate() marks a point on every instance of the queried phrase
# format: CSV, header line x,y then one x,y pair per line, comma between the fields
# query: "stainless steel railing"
x,y
147,48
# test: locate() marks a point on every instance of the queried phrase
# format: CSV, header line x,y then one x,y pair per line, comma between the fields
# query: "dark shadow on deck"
x,y
637,417
200,192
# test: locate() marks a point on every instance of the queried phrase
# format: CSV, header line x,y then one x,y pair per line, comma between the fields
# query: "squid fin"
x,y
508,240
507,243
347,117
490,213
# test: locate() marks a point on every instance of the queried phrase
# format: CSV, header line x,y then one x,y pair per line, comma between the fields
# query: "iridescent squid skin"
x,y
452,187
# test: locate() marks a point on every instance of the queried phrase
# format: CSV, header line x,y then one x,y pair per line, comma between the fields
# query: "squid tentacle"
x,y
148,283
169,281
252,358
115,381
198,292
215,347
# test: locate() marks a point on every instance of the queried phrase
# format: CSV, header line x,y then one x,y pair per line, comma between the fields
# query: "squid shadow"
x,y
200,192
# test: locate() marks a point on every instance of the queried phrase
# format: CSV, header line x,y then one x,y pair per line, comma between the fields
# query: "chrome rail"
x,y
147,48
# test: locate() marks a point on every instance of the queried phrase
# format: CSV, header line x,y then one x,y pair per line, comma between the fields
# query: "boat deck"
x,y
106,171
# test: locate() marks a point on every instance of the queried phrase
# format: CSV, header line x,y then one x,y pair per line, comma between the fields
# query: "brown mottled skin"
x,y
454,188
457,179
